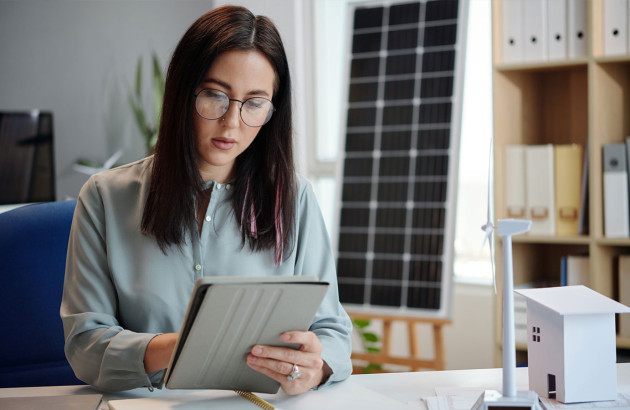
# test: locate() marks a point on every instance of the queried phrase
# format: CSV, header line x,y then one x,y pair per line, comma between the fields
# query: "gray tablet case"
x,y
226,316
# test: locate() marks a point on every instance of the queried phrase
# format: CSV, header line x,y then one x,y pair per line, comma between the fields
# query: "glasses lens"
x,y
256,111
212,104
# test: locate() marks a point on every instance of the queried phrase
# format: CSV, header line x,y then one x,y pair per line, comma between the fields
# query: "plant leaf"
x,y
139,79
152,141
371,367
373,350
87,163
370,337
361,323
138,113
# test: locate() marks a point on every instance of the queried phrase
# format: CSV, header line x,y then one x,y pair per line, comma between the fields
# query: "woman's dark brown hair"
x,y
264,194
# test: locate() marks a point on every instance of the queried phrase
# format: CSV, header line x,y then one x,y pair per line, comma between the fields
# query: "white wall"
x,y
77,59
469,341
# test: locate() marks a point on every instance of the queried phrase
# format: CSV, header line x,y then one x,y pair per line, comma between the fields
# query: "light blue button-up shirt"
x,y
121,290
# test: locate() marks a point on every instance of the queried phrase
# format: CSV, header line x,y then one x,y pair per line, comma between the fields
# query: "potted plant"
x,y
148,127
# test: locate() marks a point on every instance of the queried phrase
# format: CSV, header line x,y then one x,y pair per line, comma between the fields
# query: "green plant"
x,y
370,343
148,128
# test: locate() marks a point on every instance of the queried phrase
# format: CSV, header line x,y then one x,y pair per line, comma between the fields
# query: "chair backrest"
x,y
33,247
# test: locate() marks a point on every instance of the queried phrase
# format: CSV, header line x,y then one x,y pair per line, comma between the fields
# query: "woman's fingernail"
x,y
256,350
286,337
251,359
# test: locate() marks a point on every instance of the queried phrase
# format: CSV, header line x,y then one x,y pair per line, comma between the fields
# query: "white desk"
x,y
377,391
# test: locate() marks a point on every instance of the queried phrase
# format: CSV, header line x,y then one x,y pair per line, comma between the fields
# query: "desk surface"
x,y
374,391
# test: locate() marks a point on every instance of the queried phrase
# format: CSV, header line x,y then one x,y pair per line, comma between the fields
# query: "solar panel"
x,y
399,176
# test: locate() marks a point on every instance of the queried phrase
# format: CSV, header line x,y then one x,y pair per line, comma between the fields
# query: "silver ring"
x,y
295,373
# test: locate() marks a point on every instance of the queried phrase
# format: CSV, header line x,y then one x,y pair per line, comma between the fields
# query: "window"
x,y
536,334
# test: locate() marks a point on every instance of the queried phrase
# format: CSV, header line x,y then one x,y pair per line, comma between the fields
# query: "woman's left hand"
x,y
278,362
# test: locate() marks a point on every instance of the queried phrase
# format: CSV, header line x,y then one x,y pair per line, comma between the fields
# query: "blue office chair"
x,y
33,246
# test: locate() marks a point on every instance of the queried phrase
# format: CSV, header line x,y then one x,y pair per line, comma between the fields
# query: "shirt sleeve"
x,y
315,257
100,351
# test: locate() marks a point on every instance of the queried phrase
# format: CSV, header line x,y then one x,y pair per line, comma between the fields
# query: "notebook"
x,y
226,316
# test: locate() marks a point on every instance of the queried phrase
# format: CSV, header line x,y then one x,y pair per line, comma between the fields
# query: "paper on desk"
x,y
344,395
622,402
454,398
340,396
457,398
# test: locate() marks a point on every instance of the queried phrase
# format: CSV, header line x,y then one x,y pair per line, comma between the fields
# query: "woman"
x,y
218,197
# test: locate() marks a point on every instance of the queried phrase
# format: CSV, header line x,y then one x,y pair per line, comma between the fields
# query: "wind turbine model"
x,y
509,398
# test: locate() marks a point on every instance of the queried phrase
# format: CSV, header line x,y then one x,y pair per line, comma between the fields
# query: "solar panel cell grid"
x,y
388,269
404,13
398,140
359,141
386,295
368,17
352,293
398,64
356,192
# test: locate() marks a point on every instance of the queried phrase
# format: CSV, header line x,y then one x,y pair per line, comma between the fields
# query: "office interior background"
x,y
77,59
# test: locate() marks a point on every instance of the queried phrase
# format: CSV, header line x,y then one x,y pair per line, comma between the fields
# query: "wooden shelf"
x,y
613,241
553,240
612,59
583,101
543,66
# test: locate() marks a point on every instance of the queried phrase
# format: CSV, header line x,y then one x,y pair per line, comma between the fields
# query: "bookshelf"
x,y
574,101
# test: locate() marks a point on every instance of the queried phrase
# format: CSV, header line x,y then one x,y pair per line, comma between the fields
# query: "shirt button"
x,y
208,218
197,267
228,187
219,186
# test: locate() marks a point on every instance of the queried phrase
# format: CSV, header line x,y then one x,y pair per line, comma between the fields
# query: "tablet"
x,y
226,316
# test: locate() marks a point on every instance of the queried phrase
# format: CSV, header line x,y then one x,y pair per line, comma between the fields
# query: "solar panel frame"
x,y
401,261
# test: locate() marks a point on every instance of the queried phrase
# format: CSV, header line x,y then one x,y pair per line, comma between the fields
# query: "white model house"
x,y
571,347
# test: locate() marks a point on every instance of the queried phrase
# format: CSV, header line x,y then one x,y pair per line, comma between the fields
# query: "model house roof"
x,y
573,300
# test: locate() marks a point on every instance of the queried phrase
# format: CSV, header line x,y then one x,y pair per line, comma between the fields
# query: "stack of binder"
x,y
520,319
541,30
616,207
616,27
574,270
544,183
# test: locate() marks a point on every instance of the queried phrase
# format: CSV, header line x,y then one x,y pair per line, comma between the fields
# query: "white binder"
x,y
512,29
515,203
540,192
578,267
615,27
535,13
615,191
578,35
557,29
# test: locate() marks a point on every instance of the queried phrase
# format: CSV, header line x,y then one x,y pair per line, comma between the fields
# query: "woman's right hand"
x,y
159,352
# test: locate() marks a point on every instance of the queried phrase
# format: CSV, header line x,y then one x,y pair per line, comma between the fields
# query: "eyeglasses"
x,y
212,104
